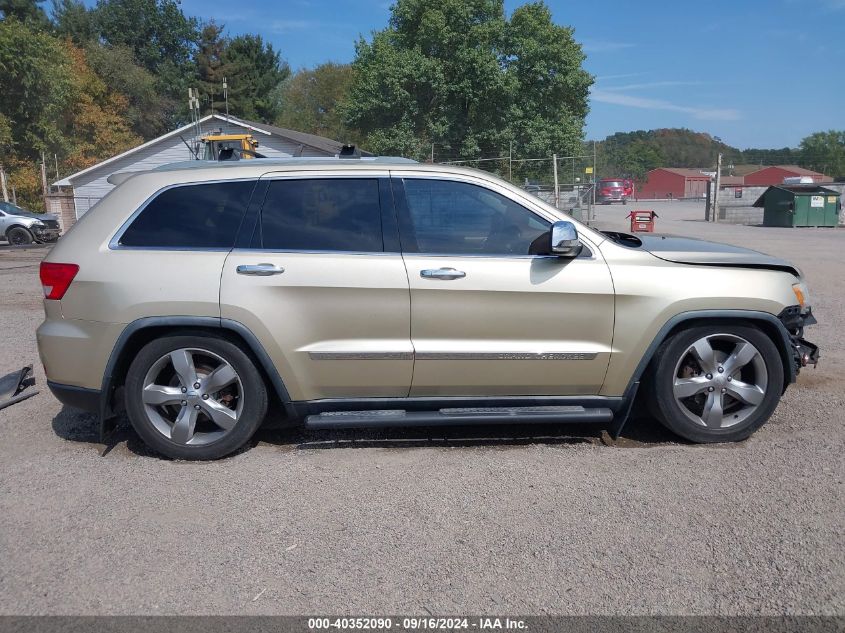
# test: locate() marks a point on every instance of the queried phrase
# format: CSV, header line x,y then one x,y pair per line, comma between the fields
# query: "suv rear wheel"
x,y
716,383
194,397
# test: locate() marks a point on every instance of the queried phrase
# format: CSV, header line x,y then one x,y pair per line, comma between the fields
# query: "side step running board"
x,y
457,417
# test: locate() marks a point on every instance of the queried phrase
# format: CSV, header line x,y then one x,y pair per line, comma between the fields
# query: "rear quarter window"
x,y
191,216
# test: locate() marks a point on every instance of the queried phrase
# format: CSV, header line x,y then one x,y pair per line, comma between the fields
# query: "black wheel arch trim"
x,y
106,413
783,344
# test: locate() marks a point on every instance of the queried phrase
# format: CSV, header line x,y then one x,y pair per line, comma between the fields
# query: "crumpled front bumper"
x,y
795,319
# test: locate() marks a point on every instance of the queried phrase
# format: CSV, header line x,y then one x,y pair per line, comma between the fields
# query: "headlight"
x,y
38,225
802,294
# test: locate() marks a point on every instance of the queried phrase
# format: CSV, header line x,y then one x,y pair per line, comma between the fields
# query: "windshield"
x,y
12,209
611,183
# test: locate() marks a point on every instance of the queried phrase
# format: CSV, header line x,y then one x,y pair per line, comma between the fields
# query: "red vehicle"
x,y
610,190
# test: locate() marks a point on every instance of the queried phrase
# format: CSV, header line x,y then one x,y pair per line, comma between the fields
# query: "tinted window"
x,y
330,214
461,219
193,216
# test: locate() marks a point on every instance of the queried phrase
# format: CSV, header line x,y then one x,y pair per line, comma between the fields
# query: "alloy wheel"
x,y
720,380
192,396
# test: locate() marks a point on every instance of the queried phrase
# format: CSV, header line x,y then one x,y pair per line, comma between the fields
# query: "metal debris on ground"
x,y
17,386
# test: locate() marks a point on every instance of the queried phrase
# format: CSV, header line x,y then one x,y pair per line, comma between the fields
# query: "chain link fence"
x,y
565,182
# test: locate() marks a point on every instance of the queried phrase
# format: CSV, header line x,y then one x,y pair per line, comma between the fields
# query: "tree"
x,y
147,111
35,88
312,98
162,40
96,128
457,73
257,73
25,11
211,65
157,31
825,152
71,18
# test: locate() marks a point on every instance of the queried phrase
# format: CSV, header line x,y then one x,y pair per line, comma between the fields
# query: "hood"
x,y
35,216
687,250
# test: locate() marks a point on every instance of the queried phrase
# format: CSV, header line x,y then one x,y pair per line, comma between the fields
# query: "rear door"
x,y
320,280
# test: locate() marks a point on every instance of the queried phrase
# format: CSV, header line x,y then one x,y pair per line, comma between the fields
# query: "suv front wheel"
x,y
194,397
716,383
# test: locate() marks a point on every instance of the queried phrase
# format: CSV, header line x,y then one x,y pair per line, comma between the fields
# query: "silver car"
x,y
19,226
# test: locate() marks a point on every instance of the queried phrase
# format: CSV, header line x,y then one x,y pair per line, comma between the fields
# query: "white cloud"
x,y
652,84
603,46
709,114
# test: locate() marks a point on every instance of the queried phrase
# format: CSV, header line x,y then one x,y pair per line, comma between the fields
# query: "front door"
x,y
318,287
487,317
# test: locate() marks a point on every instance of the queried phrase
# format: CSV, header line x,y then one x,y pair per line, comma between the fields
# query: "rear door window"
x,y
322,214
191,216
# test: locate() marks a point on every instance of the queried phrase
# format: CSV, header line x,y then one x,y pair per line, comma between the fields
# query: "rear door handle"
x,y
442,273
259,270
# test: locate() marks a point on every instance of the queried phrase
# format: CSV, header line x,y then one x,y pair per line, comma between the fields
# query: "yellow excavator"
x,y
219,147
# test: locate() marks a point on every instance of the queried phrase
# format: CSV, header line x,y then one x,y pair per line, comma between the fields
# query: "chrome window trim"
x,y
520,197
114,242
310,252
526,204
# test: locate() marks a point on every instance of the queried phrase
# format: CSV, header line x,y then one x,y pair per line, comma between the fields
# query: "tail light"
x,y
56,278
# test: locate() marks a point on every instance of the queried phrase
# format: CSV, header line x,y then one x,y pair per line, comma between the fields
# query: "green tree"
x,y
162,40
825,152
27,11
257,73
35,88
212,67
457,73
311,100
148,112
71,18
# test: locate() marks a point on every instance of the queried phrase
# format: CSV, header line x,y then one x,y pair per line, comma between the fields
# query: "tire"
x,y
181,420
693,398
19,236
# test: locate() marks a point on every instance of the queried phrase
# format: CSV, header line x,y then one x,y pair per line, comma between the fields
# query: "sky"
x,y
755,73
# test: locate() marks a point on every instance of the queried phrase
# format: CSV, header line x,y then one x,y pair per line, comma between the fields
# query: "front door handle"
x,y
442,273
259,270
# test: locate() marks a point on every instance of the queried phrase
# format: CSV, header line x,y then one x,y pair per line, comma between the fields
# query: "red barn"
x,y
670,182
775,174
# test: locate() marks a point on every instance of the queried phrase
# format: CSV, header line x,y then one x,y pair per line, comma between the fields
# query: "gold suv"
x,y
381,292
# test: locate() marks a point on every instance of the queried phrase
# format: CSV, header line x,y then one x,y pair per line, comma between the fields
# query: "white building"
x,y
88,186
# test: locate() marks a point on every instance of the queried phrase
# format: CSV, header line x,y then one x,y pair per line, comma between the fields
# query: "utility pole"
x,y
432,153
716,193
510,162
3,184
56,158
595,169
226,97
43,174
557,187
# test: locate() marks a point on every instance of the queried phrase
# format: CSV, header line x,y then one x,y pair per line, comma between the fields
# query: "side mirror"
x,y
565,239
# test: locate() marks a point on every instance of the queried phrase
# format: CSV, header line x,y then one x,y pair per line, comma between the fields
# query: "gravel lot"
x,y
514,521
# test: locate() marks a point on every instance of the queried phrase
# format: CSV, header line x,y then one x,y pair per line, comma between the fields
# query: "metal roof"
x,y
311,140
680,171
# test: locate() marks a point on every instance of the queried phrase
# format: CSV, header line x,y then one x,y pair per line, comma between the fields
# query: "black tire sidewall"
x,y
667,410
254,394
18,229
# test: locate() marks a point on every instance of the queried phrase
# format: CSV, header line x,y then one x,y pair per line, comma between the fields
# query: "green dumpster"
x,y
799,205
